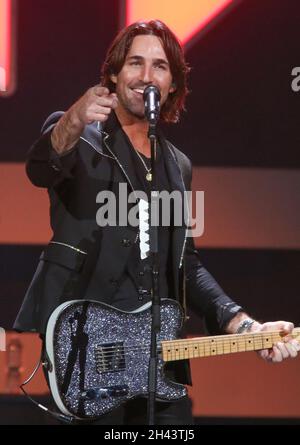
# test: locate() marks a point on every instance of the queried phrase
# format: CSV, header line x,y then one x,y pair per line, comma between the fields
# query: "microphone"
x,y
152,103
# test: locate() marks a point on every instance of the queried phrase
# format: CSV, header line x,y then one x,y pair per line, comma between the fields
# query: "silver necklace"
x,y
148,170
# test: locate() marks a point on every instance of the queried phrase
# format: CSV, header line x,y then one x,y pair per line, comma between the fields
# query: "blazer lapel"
x,y
93,136
114,140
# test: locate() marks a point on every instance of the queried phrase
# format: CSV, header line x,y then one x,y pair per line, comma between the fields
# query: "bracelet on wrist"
x,y
245,325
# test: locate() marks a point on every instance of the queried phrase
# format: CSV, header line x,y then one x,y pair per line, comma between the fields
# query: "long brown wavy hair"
x,y
118,51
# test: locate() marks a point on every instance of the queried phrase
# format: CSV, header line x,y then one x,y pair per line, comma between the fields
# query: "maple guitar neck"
x,y
221,344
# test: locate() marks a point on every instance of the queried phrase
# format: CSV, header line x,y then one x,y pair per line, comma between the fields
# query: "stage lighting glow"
x,y
186,18
6,47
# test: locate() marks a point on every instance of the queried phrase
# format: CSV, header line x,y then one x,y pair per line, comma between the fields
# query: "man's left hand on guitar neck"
x,y
288,347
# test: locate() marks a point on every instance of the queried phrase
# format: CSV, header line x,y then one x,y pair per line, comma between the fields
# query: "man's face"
x,y
146,63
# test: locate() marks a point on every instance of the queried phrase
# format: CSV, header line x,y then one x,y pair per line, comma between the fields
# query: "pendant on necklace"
x,y
149,177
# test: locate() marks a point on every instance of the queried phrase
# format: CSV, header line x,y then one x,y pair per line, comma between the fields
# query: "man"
x,y
100,142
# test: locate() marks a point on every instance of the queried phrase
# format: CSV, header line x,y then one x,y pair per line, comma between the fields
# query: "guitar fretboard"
x,y
221,344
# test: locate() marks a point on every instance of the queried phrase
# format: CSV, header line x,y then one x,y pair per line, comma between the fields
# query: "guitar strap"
x,y
79,344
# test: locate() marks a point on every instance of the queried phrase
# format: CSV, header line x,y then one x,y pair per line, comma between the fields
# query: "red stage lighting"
x,y
7,30
186,18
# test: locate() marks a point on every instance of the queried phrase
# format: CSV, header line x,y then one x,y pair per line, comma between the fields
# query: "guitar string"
x,y
104,360
106,356
218,342
205,347
182,348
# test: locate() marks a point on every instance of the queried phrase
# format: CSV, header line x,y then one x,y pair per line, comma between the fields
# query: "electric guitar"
x,y
97,356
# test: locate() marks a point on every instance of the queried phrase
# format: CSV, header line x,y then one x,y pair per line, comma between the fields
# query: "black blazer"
x,y
66,267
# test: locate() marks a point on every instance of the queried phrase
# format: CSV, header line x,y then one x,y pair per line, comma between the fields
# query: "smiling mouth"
x,y
138,90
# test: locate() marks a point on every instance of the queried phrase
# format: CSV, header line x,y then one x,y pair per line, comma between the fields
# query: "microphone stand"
x,y
153,235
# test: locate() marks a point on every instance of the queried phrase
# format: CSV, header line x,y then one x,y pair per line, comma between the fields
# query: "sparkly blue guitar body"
x,y
98,356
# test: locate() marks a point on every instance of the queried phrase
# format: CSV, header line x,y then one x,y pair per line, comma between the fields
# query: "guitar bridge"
x,y
110,357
